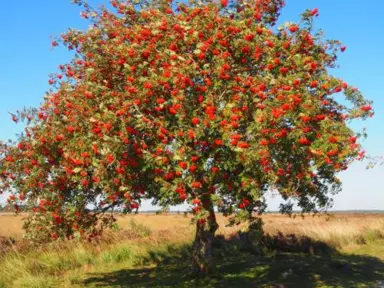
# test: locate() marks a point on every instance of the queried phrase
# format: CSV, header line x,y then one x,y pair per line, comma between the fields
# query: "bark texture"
x,y
202,247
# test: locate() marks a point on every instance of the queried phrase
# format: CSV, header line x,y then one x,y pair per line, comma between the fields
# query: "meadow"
x,y
149,250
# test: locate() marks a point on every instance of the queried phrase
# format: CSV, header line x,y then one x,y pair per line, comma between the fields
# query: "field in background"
x,y
340,230
151,250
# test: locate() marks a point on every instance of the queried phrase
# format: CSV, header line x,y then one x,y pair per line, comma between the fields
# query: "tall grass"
x,y
61,264
343,233
147,240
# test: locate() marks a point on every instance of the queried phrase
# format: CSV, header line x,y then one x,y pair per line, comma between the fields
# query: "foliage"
x,y
201,103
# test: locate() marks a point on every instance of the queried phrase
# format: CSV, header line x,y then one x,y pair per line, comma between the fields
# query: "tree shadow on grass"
x,y
238,268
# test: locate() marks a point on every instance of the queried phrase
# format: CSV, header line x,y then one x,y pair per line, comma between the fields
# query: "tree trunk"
x,y
202,246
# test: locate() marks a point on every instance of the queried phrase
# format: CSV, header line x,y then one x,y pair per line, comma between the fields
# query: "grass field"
x,y
344,250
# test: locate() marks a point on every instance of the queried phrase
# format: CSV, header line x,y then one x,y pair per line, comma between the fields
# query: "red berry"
x,y
195,121
366,108
293,28
183,165
315,12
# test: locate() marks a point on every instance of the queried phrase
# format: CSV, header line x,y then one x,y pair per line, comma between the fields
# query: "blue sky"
x,y
27,59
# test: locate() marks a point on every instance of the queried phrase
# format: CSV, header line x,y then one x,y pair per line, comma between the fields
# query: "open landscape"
x,y
149,250
225,110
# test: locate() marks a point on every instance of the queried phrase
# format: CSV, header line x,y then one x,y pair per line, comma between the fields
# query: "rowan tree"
x,y
204,103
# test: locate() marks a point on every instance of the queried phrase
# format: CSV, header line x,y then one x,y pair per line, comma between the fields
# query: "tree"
x,y
201,103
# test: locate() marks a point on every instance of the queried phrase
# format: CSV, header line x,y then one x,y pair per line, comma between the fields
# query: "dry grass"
x,y
338,230
11,225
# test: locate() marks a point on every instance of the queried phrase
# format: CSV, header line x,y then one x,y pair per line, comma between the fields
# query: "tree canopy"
x,y
203,102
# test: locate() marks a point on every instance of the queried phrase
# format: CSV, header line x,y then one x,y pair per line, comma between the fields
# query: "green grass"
x,y
120,254
168,266
375,248
245,270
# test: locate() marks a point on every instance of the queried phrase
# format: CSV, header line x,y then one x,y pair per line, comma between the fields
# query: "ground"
x,y
342,250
